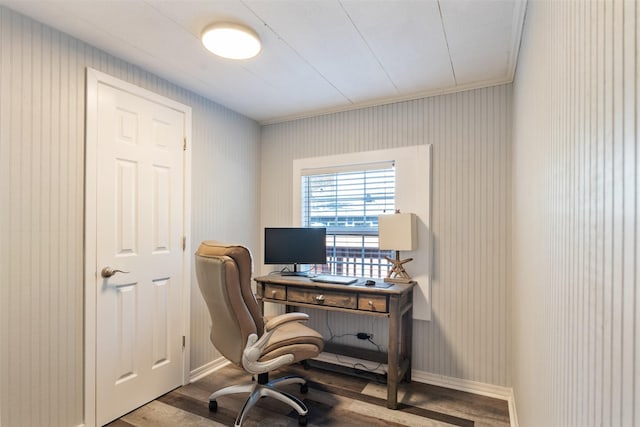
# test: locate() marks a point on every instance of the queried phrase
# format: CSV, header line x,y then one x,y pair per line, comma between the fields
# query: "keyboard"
x,y
338,280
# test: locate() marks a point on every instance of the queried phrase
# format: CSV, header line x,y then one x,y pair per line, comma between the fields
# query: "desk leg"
x,y
393,352
407,341
260,296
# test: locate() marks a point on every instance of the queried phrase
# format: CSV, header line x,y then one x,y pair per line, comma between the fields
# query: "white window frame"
x,y
413,195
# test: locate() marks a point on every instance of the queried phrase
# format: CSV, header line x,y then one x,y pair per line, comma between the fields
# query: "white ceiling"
x,y
318,55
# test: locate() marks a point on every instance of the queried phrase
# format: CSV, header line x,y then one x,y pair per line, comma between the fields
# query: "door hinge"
x,y
184,243
184,144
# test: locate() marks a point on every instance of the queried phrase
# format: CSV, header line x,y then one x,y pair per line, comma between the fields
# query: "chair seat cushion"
x,y
293,338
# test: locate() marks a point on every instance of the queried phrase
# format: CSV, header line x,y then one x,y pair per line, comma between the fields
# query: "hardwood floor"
x,y
333,399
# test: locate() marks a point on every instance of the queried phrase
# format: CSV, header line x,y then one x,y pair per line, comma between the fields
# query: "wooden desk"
x,y
394,302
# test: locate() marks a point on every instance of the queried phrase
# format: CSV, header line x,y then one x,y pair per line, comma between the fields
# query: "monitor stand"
x,y
295,272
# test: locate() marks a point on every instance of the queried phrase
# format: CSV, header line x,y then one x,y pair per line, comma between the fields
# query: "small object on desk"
x,y
338,280
370,283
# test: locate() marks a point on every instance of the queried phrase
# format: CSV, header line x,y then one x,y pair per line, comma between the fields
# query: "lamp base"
x,y
400,280
397,273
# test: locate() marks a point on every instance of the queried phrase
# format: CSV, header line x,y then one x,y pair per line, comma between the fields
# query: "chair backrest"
x,y
224,277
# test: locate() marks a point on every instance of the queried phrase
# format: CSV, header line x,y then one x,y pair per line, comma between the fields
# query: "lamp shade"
x,y
397,232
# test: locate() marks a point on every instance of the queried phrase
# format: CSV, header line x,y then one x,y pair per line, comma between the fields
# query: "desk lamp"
x,y
397,232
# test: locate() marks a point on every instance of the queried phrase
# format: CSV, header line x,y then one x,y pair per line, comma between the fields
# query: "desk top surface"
x,y
380,287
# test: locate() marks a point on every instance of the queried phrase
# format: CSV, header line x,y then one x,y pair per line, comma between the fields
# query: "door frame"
x,y
93,79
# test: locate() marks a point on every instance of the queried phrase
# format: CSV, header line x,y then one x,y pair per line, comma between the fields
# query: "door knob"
x,y
108,272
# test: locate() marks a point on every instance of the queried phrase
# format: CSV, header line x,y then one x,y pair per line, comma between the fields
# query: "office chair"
x,y
240,333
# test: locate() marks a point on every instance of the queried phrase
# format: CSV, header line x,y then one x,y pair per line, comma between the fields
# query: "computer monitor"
x,y
294,246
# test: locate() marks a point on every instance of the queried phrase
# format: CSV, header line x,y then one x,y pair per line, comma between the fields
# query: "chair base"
x,y
258,389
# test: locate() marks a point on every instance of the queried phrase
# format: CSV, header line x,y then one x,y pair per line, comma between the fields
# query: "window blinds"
x,y
348,200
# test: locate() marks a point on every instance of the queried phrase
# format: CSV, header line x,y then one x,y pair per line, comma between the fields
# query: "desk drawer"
x,y
333,299
376,303
275,292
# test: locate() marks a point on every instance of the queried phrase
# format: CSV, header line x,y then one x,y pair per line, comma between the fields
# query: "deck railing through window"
x,y
356,261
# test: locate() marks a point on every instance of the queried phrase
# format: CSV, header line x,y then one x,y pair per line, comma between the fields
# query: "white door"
x,y
139,219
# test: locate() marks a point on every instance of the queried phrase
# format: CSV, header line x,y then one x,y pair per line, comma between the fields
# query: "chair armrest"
x,y
281,319
254,347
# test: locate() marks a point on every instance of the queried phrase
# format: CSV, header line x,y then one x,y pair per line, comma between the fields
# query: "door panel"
x,y
161,331
126,200
140,184
126,336
161,209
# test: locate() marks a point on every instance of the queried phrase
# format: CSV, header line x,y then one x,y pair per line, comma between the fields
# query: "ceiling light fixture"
x,y
232,41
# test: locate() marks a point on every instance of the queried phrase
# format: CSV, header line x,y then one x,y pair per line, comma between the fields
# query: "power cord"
x,y
358,365
288,270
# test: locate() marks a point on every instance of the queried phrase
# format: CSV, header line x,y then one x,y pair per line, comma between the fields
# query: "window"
x,y
347,201
411,193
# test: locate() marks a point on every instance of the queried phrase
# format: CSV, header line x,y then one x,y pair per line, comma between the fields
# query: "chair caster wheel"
x,y
302,420
304,388
213,405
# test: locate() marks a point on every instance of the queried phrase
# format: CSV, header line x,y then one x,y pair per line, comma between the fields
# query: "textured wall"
x,y
576,359
42,88
469,334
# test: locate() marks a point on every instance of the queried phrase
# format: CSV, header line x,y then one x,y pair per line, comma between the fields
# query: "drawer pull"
x,y
273,294
320,299
373,303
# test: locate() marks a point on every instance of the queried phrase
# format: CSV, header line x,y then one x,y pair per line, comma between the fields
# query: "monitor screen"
x,y
295,245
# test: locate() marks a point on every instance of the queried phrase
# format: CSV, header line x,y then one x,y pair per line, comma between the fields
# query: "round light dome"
x,y
231,41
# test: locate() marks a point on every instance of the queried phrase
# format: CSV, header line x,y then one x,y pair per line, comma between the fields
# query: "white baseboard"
x,y
208,368
475,387
513,415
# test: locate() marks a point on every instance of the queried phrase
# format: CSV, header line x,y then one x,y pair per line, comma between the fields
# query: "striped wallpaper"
x,y
41,171
469,334
576,303
42,87
535,240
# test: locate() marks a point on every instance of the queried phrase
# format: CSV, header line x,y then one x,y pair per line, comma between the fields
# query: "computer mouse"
x,y
370,283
